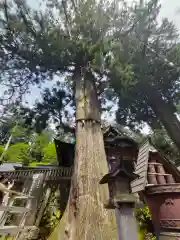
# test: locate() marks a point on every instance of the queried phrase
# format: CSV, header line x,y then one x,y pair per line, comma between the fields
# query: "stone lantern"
x,y
122,201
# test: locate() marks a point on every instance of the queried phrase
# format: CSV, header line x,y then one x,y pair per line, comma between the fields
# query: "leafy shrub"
x,y
145,223
1,149
51,217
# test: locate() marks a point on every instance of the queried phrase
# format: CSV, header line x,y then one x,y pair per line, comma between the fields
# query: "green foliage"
x,y
163,142
51,217
39,141
1,149
20,134
145,222
53,106
7,238
140,234
143,215
18,152
84,38
12,123
35,163
140,73
29,147
49,154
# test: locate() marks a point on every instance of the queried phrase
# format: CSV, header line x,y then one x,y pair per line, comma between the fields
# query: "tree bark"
x,y
165,114
85,217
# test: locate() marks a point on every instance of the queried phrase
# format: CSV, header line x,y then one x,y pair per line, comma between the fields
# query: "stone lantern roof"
x,y
118,171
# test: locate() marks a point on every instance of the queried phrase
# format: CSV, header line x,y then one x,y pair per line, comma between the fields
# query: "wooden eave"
x,y
139,184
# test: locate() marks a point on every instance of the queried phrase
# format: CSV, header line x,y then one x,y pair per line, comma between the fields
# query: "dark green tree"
x,y
163,142
56,107
38,143
144,79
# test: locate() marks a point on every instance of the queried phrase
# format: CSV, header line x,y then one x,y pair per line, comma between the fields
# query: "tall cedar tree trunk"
x,y
165,113
85,217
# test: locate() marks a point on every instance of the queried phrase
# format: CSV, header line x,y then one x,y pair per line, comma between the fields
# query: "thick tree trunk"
x,y
85,217
165,114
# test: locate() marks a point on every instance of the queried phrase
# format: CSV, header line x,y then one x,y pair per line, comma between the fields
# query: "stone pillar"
x,y
126,222
123,202
164,204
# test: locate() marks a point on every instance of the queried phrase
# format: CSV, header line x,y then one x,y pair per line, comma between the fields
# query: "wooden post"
x,y
43,206
25,190
5,203
29,219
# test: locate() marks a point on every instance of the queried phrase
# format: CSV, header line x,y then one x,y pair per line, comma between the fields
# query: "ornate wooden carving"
x,y
169,201
169,223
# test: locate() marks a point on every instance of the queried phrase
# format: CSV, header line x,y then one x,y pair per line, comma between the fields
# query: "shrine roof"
x,y
110,133
114,133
